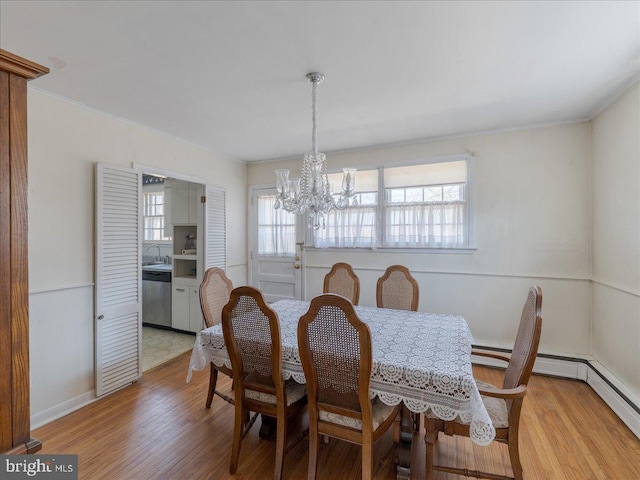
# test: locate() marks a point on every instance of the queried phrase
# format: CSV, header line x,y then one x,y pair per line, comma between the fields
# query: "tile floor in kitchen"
x,y
159,346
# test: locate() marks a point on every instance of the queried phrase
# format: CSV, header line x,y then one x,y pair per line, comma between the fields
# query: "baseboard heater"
x,y
622,403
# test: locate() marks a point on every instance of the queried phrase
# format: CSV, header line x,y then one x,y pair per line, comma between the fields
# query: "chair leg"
x,y
314,448
367,459
430,438
281,437
238,428
213,380
514,455
397,427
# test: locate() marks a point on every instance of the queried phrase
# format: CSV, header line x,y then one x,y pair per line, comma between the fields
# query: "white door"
x,y
276,256
118,283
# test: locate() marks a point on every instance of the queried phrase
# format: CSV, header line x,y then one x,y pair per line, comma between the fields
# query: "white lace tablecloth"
x,y
420,359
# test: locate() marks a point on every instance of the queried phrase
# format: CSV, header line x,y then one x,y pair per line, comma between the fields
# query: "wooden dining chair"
x,y
503,404
252,337
397,289
335,349
215,290
343,281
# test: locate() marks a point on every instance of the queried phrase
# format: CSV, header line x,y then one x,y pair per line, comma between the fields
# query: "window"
x,y
353,226
423,206
276,229
153,216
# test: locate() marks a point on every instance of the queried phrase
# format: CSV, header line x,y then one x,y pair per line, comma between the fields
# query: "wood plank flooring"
x,y
159,429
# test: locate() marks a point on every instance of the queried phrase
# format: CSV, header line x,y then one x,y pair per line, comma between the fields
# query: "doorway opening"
x,y
172,219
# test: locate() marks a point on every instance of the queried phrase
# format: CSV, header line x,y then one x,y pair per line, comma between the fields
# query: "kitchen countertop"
x,y
160,267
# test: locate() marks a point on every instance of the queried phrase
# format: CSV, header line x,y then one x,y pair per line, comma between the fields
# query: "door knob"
x,y
296,266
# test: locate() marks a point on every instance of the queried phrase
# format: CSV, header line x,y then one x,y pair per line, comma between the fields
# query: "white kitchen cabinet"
x,y
185,202
180,317
186,313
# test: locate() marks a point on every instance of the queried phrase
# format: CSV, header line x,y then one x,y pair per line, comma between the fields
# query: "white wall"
x,y
534,225
532,197
616,238
65,141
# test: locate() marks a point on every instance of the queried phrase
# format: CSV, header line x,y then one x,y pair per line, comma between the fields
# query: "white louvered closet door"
x,y
216,228
118,284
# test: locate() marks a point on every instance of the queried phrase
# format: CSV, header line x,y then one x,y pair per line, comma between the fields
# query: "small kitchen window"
x,y
153,217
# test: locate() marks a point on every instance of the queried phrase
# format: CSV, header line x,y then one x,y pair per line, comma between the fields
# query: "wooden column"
x,y
15,425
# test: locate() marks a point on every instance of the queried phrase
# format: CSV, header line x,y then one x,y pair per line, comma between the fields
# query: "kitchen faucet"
x,y
159,257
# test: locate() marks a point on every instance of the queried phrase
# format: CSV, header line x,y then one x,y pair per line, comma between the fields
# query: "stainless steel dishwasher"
x,y
156,297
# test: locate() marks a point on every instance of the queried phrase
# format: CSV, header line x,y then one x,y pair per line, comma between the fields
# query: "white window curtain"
x,y
276,229
425,205
348,228
437,225
422,205
353,227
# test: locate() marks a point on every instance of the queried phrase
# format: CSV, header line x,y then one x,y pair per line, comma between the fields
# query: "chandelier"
x,y
311,193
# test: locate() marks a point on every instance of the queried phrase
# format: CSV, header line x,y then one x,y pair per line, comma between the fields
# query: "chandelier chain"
x,y
314,117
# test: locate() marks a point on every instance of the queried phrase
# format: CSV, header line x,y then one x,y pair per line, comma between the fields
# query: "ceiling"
x,y
230,76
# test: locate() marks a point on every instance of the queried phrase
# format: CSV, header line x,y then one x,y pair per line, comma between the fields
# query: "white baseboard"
x,y
614,397
619,398
62,409
592,373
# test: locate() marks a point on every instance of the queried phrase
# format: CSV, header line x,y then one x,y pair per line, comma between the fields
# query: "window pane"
x,y
153,216
396,196
414,194
276,229
433,194
451,192
369,198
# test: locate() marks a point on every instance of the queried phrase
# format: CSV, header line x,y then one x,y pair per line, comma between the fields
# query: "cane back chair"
x,y
343,281
252,337
335,349
215,290
397,289
503,404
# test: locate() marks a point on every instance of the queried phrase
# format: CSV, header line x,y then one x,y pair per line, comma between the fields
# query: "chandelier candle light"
x,y
312,193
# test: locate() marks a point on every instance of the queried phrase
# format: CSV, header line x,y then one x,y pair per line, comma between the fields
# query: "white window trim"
x,y
471,246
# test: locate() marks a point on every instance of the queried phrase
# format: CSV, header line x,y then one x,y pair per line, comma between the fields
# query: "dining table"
x,y
420,359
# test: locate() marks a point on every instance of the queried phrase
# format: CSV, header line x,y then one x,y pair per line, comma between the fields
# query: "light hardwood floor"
x,y
159,429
